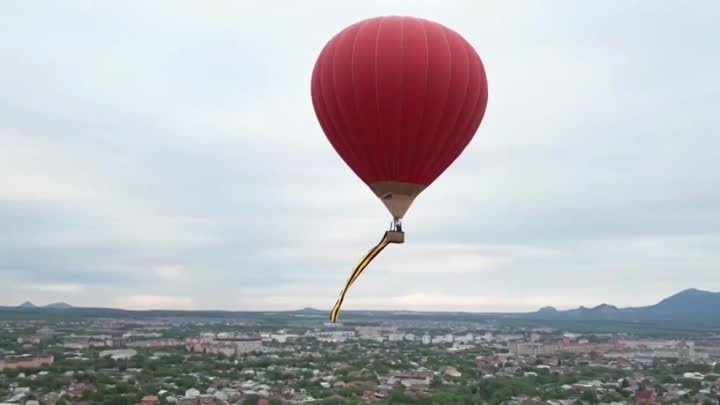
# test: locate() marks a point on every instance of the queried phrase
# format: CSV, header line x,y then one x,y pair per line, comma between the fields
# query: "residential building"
x,y
150,400
26,361
532,349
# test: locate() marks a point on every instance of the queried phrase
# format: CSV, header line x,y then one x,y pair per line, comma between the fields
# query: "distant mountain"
x,y
691,305
310,312
691,300
54,305
547,310
691,308
58,305
602,311
310,309
605,308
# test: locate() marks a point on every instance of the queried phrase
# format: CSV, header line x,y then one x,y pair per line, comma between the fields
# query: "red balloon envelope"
x,y
399,98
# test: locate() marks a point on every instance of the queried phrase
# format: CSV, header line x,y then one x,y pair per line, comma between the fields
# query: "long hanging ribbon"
x,y
356,273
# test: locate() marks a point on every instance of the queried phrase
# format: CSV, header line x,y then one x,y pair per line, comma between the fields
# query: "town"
x,y
305,360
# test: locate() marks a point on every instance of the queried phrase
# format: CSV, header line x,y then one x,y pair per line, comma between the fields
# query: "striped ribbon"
x,y
335,313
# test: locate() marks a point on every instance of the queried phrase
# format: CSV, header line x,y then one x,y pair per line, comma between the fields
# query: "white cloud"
x,y
55,288
473,303
427,301
168,273
190,142
70,180
140,302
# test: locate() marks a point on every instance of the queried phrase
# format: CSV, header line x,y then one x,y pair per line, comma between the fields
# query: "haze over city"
x,y
166,155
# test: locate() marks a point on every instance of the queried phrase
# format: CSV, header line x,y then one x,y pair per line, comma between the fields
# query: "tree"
x,y
251,400
185,382
87,395
501,395
691,384
105,362
122,388
667,379
103,378
116,400
611,396
589,397
398,397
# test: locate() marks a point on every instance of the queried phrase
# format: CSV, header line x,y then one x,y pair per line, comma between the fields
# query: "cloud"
x,y
69,289
140,302
429,301
188,146
168,273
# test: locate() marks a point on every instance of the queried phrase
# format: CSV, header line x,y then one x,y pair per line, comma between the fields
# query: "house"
x,y
31,339
150,400
155,343
206,399
83,342
119,354
368,395
233,346
452,372
694,376
489,362
417,379
76,390
188,400
644,397
26,361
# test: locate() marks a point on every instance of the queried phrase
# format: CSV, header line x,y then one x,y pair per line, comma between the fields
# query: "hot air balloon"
x,y
399,99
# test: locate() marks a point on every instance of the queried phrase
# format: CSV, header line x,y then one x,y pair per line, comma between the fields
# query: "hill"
x,y
691,309
58,305
690,301
690,305
54,305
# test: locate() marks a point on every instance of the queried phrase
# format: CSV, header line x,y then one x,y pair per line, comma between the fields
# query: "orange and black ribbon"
x,y
356,273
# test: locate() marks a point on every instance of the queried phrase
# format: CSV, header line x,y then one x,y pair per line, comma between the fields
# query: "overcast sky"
x,y
166,155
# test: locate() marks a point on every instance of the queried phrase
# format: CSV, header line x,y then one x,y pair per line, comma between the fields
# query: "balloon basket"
x,y
395,236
